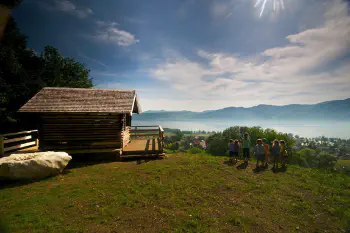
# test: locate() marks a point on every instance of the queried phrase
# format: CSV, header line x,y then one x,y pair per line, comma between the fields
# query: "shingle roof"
x,y
82,100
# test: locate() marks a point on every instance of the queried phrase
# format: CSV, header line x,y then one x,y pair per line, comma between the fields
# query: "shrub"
x,y
311,158
172,146
195,150
217,144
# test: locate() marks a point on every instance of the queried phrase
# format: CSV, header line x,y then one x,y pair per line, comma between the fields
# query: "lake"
x,y
305,129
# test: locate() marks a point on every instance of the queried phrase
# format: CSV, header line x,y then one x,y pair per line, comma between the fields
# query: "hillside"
x,y
330,110
182,193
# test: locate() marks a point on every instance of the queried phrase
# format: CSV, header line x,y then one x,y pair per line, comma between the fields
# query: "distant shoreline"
x,y
309,129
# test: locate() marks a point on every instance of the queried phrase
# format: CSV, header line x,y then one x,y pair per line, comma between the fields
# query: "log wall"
x,y
126,136
79,131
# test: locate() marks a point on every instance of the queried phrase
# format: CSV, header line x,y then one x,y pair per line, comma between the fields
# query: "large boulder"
x,y
33,165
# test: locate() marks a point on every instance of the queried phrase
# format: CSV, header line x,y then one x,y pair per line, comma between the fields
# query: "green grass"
x,y
181,193
342,163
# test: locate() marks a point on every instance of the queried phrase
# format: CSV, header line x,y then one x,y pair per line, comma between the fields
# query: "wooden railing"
x,y
151,131
17,141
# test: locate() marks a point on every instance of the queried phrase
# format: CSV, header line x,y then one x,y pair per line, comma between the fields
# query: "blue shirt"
x,y
233,147
276,150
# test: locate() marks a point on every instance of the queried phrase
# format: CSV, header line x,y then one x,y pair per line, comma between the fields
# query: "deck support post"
x,y
119,155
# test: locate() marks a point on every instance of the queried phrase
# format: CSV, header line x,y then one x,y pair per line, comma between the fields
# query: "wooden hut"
x,y
80,120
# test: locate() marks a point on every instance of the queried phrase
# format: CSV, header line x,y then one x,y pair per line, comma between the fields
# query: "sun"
x,y
277,5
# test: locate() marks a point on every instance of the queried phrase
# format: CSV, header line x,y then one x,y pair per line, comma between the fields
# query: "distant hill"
x,y
330,110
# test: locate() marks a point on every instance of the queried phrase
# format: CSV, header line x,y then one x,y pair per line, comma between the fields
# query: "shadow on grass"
x,y
242,166
86,160
279,169
5,184
141,160
78,162
260,169
229,163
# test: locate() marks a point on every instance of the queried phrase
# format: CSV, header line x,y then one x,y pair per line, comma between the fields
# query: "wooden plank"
x,y
90,134
80,117
144,130
80,114
141,145
72,128
65,139
55,147
92,143
86,151
17,139
77,137
79,124
2,151
83,136
18,133
146,126
19,146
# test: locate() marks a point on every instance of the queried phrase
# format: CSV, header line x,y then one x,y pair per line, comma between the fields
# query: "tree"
x,y
10,3
179,135
307,157
217,144
23,73
326,160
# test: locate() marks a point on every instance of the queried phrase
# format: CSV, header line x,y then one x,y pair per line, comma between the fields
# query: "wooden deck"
x,y
145,141
143,147
137,147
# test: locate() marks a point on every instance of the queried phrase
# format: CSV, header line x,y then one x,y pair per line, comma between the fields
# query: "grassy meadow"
x,y
181,193
343,163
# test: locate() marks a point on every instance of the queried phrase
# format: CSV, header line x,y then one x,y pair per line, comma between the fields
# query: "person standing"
x,y
284,154
259,153
276,151
246,147
267,152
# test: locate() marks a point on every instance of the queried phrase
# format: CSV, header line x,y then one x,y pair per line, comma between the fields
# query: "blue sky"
x,y
201,54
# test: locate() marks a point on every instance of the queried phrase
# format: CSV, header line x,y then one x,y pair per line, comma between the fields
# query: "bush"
x,y
217,144
172,146
326,160
195,150
311,158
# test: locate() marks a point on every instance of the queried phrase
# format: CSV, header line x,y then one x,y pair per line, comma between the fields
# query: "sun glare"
x,y
276,5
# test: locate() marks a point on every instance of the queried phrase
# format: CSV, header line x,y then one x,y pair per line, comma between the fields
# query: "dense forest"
x,y
23,73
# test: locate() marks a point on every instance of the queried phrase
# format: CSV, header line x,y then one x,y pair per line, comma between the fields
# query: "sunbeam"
x,y
257,3
263,8
282,4
275,4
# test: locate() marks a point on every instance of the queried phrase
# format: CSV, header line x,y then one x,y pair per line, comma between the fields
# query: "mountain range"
x,y
331,110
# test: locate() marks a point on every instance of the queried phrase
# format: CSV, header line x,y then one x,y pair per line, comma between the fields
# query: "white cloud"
x,y
67,7
109,32
295,73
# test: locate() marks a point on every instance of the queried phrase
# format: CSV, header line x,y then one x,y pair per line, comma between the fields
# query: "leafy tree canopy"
x,y
10,3
23,73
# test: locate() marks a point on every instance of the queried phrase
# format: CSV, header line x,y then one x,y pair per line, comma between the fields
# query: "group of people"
x,y
262,152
